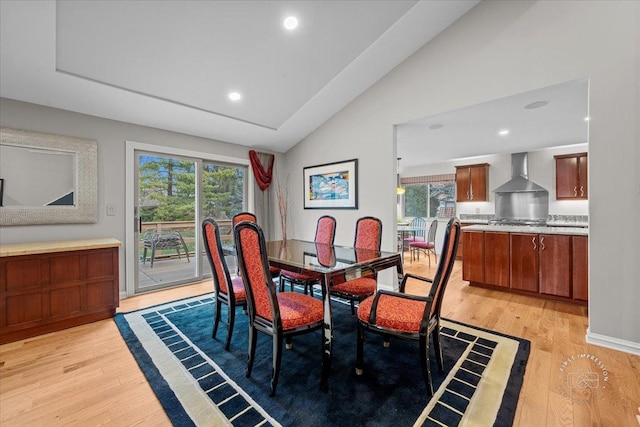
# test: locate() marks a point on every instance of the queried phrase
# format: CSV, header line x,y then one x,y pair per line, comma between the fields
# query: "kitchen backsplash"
x,y
551,218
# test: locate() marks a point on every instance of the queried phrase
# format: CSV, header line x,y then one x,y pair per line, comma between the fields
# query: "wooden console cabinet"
x,y
45,287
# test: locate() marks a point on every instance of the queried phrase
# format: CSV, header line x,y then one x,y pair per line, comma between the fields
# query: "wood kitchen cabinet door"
x,y
471,183
555,264
463,184
571,177
582,177
496,259
524,262
473,256
580,279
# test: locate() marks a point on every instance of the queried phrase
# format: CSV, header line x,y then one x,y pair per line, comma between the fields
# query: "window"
x,y
430,196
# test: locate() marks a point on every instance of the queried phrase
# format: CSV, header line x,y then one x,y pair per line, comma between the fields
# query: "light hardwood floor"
x,y
86,376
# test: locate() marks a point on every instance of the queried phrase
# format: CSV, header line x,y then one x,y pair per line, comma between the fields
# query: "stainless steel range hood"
x,y
521,200
519,177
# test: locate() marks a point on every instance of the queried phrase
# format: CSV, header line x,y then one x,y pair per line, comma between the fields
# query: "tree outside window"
x,y
430,200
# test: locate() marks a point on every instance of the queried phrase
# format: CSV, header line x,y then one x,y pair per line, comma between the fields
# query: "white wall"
x,y
499,49
110,136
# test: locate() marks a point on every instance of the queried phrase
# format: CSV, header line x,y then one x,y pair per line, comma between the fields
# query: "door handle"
x,y
542,243
534,243
582,191
575,191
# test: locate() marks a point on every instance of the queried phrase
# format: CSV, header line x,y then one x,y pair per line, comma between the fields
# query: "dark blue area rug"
x,y
199,383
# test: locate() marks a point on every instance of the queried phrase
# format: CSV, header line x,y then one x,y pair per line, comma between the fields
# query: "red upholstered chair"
x,y
397,314
368,236
281,315
428,245
248,216
228,291
325,234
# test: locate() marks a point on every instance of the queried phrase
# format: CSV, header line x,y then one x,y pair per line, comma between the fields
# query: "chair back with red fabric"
x,y
254,268
397,314
243,216
213,247
325,230
368,233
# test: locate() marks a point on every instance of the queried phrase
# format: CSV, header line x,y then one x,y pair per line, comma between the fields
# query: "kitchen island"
x,y
546,261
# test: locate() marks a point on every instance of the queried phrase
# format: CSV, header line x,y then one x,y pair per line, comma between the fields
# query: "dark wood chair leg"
x,y
353,308
437,348
232,318
424,361
253,335
216,318
281,280
277,359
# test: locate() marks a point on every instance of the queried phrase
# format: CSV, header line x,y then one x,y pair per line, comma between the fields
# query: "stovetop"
x,y
511,221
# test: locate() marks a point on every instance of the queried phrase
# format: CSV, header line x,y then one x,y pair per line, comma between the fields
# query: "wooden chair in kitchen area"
x,y
428,245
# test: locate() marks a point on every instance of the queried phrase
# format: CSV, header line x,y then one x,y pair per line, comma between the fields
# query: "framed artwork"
x,y
331,186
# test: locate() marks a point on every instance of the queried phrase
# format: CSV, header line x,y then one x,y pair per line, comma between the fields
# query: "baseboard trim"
x,y
613,343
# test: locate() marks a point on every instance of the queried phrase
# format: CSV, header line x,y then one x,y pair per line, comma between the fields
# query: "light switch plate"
x,y
111,210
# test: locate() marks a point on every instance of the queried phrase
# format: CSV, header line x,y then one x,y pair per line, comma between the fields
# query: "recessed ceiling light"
x,y
504,132
290,23
235,96
435,126
534,105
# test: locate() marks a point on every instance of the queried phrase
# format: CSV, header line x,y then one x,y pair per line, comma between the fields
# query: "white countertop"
x,y
575,231
57,246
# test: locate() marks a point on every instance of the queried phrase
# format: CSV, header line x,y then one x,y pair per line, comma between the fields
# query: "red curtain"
x,y
263,178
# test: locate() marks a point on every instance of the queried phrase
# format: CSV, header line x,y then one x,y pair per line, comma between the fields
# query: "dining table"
x,y
330,261
405,231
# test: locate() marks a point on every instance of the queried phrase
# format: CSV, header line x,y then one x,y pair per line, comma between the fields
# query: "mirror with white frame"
x,y
46,178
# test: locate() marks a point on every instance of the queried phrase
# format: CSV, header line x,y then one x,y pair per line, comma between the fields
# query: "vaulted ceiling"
x,y
172,64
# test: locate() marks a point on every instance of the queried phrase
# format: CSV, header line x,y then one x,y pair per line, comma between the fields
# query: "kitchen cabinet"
x,y
542,262
51,286
473,256
524,262
555,264
471,183
580,273
461,241
571,177
496,259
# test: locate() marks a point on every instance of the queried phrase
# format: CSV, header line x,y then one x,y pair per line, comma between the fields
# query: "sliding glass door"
x,y
166,221
172,195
